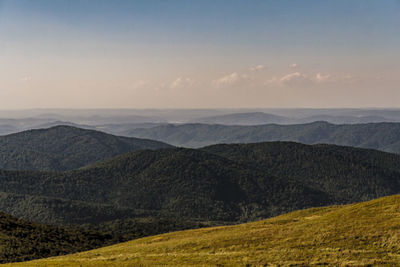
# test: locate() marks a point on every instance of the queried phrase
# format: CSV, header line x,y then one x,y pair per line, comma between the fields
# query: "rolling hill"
x,y
64,148
362,234
381,136
225,183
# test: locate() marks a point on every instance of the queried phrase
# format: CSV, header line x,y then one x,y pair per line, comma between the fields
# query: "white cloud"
x,y
294,66
231,79
178,83
322,78
295,79
181,82
258,68
300,79
335,78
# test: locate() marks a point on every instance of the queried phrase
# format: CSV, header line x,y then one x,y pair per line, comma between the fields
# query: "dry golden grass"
x,y
362,234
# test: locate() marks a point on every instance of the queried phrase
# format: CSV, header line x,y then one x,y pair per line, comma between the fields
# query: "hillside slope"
x,y
381,136
64,148
362,234
219,183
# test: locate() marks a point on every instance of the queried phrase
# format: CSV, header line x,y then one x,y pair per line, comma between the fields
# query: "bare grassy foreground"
x,y
362,234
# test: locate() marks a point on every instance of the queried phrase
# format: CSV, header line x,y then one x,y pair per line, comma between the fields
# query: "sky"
x,y
199,54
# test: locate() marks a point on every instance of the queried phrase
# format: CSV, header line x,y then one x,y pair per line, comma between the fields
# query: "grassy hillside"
x,y
362,234
228,183
64,148
381,136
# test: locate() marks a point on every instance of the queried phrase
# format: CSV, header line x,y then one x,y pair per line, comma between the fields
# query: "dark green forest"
x,y
218,183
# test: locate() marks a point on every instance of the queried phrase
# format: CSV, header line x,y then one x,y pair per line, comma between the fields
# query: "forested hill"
x,y
65,148
225,182
345,173
381,136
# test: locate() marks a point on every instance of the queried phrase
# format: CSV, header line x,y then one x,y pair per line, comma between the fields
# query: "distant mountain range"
x,y
64,148
121,122
227,183
381,136
259,118
253,118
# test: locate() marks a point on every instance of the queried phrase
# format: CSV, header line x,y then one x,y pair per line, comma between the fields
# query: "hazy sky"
x,y
200,54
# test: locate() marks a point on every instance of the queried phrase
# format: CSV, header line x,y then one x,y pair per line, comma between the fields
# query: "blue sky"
x,y
199,53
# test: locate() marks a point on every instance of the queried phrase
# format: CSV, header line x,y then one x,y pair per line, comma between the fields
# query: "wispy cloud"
x,y
295,79
181,82
177,83
322,78
231,79
298,79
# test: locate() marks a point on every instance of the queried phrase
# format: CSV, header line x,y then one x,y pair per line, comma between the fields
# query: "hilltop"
x,y
64,148
362,234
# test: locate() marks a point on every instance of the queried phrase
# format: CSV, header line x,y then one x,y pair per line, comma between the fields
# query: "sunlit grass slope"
x,y
360,234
